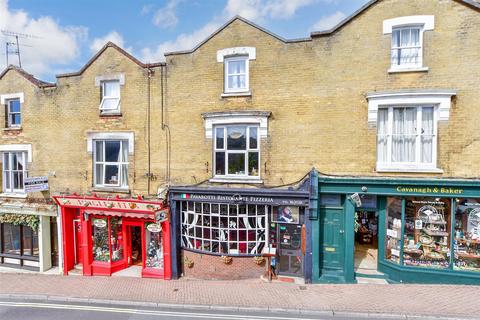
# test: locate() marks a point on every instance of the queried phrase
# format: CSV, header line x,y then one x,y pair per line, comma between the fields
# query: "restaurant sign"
x,y
239,199
430,190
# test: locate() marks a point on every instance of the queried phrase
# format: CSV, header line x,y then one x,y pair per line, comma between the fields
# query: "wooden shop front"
x,y
102,236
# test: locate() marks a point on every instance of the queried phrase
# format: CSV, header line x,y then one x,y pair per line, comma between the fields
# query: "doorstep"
x,y
285,279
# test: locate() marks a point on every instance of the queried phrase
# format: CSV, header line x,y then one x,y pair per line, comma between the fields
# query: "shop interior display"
x,y
116,239
154,249
394,229
427,236
367,227
467,235
101,250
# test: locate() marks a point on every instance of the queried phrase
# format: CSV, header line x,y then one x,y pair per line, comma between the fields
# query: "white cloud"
x,y
255,10
166,17
328,22
55,45
113,36
259,10
182,42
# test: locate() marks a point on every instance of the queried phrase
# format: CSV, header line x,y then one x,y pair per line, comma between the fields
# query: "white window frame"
x,y
106,98
227,75
228,152
419,64
120,164
417,165
9,174
9,113
424,23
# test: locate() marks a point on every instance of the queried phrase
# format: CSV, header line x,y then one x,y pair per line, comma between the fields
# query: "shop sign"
x,y
430,190
356,199
238,198
154,227
36,184
100,223
161,216
105,204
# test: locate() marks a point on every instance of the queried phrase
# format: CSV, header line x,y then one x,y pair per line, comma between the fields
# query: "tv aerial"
x,y
13,47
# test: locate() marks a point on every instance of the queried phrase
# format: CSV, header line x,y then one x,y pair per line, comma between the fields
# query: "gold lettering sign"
x,y
431,190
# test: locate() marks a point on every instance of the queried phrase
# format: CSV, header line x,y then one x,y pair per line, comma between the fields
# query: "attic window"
x,y
110,87
110,96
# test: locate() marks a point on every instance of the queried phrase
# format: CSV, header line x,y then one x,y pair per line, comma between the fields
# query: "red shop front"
x,y
102,236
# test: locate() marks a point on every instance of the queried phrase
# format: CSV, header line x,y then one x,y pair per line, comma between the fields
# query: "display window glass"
x,y
116,238
393,229
234,229
101,250
427,232
11,239
154,246
467,235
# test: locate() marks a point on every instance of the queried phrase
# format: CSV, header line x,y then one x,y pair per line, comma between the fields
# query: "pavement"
x,y
370,300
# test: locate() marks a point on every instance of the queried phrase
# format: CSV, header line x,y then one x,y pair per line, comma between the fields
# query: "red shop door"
x,y
77,238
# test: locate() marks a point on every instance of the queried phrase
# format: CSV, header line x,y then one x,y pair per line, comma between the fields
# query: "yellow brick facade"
x,y
316,90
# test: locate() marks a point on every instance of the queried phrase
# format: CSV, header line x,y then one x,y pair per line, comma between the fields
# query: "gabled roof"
x,y
28,76
100,52
475,4
229,22
471,3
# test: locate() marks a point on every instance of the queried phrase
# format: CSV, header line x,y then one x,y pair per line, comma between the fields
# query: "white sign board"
x,y
36,184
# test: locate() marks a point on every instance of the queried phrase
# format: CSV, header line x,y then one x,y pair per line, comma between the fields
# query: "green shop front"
x,y
396,229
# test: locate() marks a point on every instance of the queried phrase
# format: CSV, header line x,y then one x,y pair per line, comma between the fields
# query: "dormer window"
x,y
110,96
236,74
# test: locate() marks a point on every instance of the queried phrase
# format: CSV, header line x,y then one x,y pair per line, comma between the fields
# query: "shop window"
x,y
13,113
406,48
224,228
154,245
101,250
467,235
18,240
111,163
406,138
110,96
14,171
393,230
116,238
427,232
237,151
236,74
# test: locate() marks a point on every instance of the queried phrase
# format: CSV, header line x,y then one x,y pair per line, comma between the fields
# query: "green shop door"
x,y
332,245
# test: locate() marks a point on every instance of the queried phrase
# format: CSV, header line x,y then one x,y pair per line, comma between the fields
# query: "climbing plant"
x,y
20,219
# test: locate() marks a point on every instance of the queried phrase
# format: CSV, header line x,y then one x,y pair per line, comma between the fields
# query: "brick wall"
x,y
212,267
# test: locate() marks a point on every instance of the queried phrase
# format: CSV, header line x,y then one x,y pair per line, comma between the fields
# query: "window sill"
x,y
14,195
236,180
393,169
110,189
110,114
407,70
12,129
236,94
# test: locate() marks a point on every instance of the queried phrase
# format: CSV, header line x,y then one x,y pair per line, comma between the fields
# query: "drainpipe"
x,y
149,173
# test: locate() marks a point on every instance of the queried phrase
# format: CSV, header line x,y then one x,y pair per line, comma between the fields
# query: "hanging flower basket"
x,y
227,259
258,260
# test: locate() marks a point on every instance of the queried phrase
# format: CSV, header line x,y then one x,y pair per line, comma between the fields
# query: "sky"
x,y
64,35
